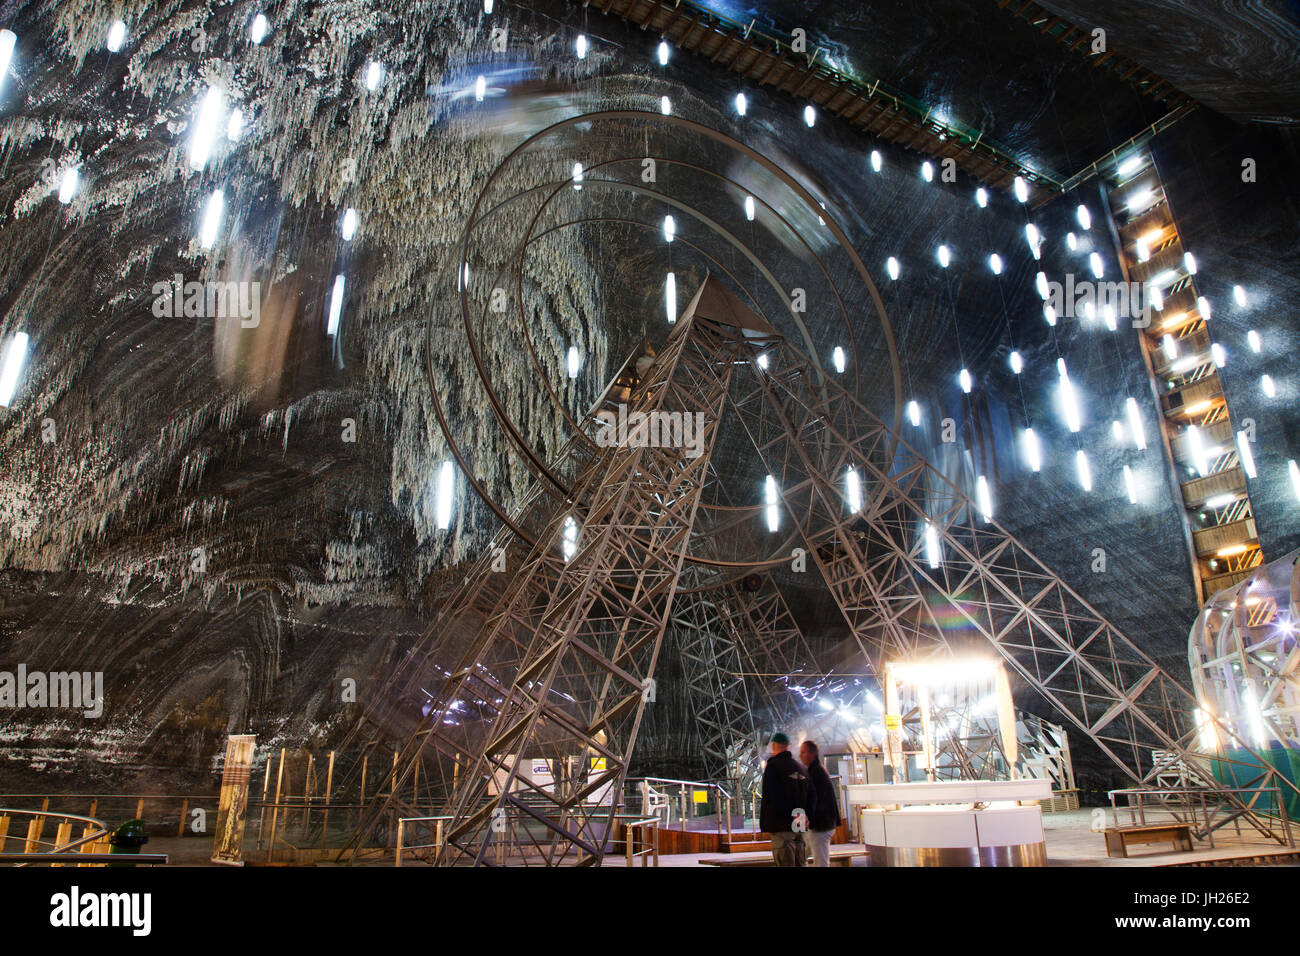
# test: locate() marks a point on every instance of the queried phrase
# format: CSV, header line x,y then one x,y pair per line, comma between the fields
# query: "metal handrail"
x,y
57,849
722,817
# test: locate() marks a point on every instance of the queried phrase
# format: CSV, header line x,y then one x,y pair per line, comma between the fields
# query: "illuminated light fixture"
x,y
1183,364
665,106
944,256
1143,250
749,208
1084,217
15,357
580,46
1239,295
914,413
1255,718
762,361
1017,363
1069,402
875,160
965,380
569,546
68,186
1197,447
1179,318
837,358
981,197
1072,241
933,557
1033,453
462,280
1266,383
1230,551
853,490
983,499
235,125
1197,408
116,36
1109,316
670,228
336,305
1292,469
487,5
809,115
927,171
480,88
995,264
1189,263
742,104
1218,354
7,40
1040,283
349,227
1246,455
1139,199
1021,189
891,266
443,499
1163,279
1098,267
375,76
1049,314
1256,344
1203,307
1129,485
212,214
574,361
670,297
1084,470
663,52
1155,297
1034,238
1117,430
576,176
1170,345
258,31
772,510
205,127
1130,165
1089,311
1220,501
1135,426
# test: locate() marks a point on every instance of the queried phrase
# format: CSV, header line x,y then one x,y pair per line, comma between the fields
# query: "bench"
x,y
837,858
1119,839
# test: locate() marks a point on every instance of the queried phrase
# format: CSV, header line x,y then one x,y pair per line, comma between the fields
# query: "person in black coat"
x,y
787,803
825,816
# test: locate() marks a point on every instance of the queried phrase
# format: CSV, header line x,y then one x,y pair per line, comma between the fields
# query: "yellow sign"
x,y
700,796
597,763
893,722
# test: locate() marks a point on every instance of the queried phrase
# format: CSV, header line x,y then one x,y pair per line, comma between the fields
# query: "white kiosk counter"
x,y
953,822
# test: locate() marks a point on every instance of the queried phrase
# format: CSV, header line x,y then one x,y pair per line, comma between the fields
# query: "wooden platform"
x,y
1119,839
841,857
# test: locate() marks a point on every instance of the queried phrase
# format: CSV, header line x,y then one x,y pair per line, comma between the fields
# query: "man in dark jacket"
x,y
787,803
825,815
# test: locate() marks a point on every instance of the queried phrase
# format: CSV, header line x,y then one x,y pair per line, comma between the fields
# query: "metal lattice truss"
x,y
918,542
528,739
719,699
